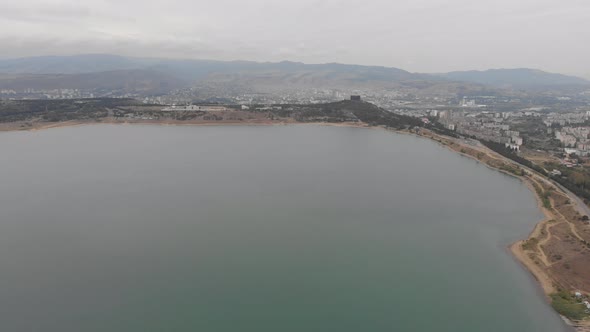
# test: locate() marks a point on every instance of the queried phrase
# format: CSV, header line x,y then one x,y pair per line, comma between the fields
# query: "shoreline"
x,y
544,280
12,127
480,153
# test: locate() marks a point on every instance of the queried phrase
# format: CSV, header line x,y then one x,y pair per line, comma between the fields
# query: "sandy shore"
x,y
516,248
20,126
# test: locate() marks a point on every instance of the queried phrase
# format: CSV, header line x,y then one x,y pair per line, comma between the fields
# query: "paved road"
x,y
579,204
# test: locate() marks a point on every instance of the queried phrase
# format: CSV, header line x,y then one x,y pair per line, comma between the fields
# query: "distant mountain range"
x,y
141,81
151,75
520,77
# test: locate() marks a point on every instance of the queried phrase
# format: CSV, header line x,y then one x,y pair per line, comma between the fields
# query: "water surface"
x,y
295,228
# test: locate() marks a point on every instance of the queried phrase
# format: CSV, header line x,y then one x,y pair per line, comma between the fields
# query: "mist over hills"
x,y
519,77
153,75
77,64
187,69
139,81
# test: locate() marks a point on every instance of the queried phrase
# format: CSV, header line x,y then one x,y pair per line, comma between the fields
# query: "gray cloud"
x,y
419,35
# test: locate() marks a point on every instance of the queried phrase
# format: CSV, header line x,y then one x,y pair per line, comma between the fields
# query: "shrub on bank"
x,y
568,306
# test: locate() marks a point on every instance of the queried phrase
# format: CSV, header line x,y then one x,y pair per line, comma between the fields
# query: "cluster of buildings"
x,y
262,108
45,94
418,113
66,93
7,92
489,126
484,125
563,119
195,108
494,132
571,131
470,103
575,139
155,100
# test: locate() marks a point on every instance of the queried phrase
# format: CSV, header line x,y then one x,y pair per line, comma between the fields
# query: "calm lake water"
x,y
294,228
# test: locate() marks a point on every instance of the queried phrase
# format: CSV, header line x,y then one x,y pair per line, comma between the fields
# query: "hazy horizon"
x,y
422,36
277,61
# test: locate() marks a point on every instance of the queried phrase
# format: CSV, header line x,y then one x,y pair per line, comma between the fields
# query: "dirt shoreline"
x,y
546,282
477,152
17,126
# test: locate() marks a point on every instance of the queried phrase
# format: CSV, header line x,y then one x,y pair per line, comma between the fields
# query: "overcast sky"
x,y
416,35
